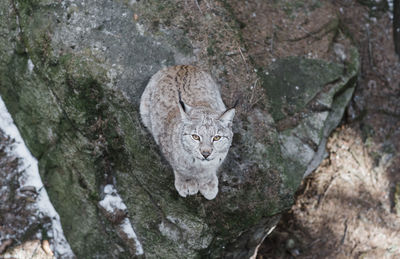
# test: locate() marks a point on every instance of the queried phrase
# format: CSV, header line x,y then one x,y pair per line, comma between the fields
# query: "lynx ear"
x,y
183,109
227,117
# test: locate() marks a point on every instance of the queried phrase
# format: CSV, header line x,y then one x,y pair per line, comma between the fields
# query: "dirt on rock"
x,y
344,209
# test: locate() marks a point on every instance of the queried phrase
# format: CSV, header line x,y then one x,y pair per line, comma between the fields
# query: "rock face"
x,y
72,73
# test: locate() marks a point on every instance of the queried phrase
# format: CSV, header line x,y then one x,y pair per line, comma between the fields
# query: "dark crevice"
x,y
308,142
396,26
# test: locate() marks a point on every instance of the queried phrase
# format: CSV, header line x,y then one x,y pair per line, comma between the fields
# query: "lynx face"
x,y
207,135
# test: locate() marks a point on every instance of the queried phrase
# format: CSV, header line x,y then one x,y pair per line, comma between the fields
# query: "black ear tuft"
x,y
236,103
181,102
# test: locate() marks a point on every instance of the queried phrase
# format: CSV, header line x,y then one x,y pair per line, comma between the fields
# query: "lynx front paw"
x,y
210,188
186,187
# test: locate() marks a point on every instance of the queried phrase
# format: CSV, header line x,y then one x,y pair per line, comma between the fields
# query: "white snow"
x,y
140,28
127,228
29,166
31,66
111,202
390,3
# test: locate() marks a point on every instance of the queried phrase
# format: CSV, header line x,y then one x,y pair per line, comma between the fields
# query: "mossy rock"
x,y
72,74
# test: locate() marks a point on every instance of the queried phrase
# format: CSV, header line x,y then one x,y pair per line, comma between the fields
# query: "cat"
x,y
182,108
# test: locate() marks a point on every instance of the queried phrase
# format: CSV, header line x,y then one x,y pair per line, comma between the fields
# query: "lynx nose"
x,y
206,153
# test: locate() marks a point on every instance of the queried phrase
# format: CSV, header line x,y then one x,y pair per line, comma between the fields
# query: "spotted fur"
x,y
183,109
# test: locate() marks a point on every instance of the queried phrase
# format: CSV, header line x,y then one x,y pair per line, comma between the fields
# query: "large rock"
x,y
72,73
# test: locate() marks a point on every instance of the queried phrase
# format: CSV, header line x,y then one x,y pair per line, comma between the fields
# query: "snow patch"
x,y
112,200
390,4
31,66
140,28
170,231
126,227
31,178
113,203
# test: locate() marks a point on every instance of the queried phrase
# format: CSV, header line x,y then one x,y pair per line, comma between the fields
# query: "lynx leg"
x,y
144,107
185,186
209,188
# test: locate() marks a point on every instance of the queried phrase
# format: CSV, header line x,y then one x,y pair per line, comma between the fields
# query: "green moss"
x,y
291,83
315,4
210,51
377,8
60,108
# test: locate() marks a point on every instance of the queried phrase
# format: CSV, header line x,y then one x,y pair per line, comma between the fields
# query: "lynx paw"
x,y
210,188
186,187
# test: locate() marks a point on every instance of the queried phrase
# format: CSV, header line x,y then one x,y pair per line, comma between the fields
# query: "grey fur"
x,y
176,126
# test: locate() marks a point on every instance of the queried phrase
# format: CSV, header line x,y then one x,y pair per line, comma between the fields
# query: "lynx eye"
x,y
196,137
216,138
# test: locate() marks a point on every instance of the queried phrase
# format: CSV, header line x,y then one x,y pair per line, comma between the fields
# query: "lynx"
x,y
182,108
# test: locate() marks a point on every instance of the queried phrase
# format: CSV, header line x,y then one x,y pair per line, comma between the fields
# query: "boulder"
x,y
71,75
